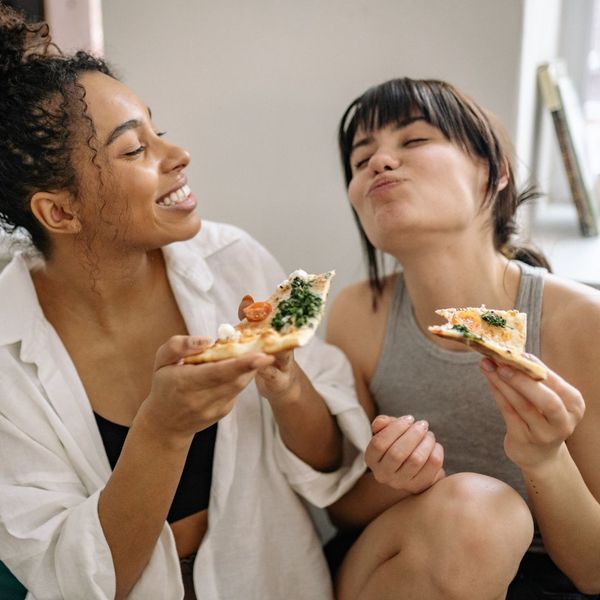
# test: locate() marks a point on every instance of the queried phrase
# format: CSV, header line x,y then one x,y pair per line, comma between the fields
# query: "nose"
x,y
175,158
383,160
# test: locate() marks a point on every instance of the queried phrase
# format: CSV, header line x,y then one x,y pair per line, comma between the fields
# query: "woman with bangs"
x,y
483,483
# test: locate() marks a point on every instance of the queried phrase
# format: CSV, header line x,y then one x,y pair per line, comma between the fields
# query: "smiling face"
x,y
409,180
133,192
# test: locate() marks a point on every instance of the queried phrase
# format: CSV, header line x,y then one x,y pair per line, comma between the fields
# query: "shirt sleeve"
x,y
330,373
50,533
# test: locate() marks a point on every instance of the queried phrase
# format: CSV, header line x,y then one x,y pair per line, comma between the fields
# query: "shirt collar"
x,y
188,262
19,306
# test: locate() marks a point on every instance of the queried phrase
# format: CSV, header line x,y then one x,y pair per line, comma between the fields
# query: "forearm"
x,y
364,502
306,426
134,504
569,519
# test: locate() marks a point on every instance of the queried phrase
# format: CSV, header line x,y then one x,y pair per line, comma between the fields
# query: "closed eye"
x,y
136,151
414,141
361,163
141,148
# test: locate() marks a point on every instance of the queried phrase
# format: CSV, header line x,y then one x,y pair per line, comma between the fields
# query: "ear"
x,y
504,176
55,211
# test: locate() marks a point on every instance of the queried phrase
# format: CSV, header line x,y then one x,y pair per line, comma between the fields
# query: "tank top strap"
x,y
529,300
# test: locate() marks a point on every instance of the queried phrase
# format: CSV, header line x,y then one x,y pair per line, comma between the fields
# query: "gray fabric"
x,y
415,376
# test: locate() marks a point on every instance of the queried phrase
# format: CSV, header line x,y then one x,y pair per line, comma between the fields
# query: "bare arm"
x,y
184,399
305,424
556,446
403,456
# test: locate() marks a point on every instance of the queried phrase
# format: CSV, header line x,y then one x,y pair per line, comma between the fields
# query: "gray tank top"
x,y
416,377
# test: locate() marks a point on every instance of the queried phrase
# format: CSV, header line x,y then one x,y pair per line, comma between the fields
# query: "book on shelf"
x,y
560,98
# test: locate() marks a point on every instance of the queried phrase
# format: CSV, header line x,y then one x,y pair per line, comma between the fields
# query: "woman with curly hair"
x,y
464,441
123,471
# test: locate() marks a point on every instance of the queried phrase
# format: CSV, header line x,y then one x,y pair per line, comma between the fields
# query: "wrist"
x,y
154,433
545,469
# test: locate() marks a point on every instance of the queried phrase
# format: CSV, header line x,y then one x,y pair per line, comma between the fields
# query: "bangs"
x,y
380,106
399,101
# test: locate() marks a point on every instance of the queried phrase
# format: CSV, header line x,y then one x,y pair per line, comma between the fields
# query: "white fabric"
x,y
260,544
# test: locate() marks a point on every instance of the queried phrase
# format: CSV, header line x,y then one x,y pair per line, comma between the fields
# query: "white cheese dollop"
x,y
227,332
298,273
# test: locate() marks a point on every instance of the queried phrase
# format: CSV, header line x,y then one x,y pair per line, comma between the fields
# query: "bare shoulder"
x,y
570,330
357,326
570,340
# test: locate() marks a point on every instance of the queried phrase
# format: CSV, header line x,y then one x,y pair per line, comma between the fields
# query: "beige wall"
x,y
254,89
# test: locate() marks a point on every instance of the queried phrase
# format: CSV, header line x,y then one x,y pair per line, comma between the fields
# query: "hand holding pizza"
x,y
404,454
274,381
539,415
185,399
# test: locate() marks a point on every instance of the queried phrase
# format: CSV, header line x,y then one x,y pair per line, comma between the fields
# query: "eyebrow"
x,y
123,127
365,141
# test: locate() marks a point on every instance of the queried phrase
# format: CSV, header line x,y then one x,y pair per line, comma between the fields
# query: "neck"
x,y
100,289
458,275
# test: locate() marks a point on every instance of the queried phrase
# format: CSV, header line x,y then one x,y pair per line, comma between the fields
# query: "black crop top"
x,y
194,486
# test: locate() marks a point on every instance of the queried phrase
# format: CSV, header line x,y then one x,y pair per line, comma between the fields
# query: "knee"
x,y
484,529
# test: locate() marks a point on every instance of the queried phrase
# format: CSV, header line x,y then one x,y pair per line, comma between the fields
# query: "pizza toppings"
x,y
499,334
299,308
227,332
287,319
493,318
258,311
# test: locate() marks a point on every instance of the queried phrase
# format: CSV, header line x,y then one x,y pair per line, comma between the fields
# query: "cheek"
x,y
355,193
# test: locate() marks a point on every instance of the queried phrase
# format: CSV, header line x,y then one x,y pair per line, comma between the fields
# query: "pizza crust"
x,y
508,347
261,336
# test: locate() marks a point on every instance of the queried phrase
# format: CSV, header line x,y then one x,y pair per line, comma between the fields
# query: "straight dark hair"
x,y
464,123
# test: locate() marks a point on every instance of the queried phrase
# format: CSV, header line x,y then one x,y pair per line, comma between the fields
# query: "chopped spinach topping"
x,y
296,310
465,331
494,319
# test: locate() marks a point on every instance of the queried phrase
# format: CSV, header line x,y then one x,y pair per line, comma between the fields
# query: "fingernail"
x,y
423,424
408,418
505,372
488,365
384,417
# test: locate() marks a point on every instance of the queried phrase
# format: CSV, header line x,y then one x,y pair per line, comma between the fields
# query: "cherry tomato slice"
x,y
257,311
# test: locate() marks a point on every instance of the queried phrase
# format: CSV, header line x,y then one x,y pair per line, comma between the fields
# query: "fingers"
x,y
247,300
380,422
553,398
405,453
431,471
219,373
283,360
178,347
383,440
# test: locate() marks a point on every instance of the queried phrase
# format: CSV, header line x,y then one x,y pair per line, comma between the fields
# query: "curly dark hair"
x,y
463,122
41,101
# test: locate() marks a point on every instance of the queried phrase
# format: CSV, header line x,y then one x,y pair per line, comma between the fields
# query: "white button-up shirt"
x,y
260,544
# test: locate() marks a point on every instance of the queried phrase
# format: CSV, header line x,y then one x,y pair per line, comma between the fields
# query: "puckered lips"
x,y
181,198
382,183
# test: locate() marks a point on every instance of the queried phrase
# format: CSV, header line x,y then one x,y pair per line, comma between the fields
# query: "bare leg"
x,y
461,539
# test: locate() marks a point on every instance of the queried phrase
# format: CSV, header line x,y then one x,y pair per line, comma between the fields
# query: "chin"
x,y
184,231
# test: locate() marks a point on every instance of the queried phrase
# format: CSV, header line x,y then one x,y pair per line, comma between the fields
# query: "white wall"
x,y
254,90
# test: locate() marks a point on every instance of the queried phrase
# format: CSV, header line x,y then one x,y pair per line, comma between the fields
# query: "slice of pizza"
x,y
499,334
286,320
